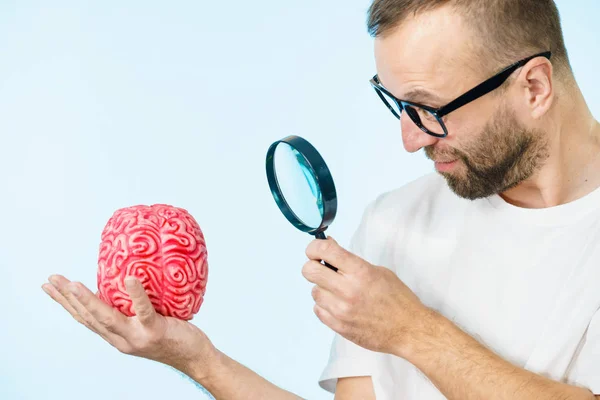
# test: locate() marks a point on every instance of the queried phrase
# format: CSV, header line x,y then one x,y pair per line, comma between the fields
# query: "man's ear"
x,y
537,84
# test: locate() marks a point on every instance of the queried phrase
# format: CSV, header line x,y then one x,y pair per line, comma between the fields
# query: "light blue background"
x,y
109,104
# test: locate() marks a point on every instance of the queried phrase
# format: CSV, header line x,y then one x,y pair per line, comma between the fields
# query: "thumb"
x,y
142,306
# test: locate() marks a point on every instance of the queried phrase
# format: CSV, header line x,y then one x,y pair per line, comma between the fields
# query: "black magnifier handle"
x,y
321,235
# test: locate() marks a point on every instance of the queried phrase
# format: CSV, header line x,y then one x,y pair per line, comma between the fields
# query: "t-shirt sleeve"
x,y
346,358
585,370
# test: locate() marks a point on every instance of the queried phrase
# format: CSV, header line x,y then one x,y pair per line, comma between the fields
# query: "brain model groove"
x,y
164,247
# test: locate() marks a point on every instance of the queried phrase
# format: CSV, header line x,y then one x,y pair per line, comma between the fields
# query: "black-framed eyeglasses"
x,y
429,119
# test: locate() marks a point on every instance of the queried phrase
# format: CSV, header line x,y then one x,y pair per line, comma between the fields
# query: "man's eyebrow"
x,y
420,95
423,96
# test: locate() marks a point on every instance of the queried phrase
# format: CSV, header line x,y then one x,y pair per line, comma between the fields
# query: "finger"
x,y
142,306
70,291
109,318
326,278
60,299
330,302
59,284
328,319
330,251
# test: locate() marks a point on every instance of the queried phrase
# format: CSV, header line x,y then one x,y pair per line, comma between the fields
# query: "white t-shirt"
x,y
525,282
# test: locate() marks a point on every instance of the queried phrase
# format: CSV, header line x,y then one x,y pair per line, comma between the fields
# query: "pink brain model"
x,y
163,246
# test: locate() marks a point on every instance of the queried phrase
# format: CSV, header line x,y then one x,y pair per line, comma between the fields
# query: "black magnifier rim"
x,y
324,181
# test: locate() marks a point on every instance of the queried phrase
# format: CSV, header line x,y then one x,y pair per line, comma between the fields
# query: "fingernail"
x,y
45,289
73,289
130,281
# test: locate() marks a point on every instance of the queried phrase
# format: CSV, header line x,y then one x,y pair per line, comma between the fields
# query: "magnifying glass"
x,y
302,186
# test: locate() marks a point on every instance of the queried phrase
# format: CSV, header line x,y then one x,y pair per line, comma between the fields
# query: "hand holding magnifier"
x,y
302,186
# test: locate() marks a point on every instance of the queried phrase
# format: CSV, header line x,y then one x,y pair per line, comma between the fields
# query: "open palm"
x,y
148,334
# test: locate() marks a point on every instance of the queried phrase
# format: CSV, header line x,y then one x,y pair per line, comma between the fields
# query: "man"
x,y
480,282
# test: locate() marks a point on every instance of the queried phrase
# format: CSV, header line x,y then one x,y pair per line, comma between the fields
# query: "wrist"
x,y
206,370
424,335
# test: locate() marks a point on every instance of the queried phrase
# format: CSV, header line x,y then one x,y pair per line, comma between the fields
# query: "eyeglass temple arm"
x,y
486,87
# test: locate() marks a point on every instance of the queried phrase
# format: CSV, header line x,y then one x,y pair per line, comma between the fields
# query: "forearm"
x,y
230,380
462,368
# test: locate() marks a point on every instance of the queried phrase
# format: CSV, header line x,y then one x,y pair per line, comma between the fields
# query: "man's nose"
x,y
413,137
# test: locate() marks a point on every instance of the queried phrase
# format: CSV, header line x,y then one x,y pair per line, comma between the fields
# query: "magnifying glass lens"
x,y
302,186
298,185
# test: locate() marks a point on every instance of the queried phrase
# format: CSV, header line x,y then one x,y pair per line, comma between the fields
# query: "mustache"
x,y
443,155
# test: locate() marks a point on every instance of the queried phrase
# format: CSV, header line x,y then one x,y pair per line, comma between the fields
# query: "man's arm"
x,y
462,368
230,380
369,305
170,341
362,388
355,388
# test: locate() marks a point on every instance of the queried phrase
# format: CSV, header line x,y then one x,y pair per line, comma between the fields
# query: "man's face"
x,y
501,155
491,149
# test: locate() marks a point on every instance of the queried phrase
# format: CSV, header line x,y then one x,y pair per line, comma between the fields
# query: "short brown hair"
x,y
510,29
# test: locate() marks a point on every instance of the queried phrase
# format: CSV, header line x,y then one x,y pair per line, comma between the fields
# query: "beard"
x,y
505,154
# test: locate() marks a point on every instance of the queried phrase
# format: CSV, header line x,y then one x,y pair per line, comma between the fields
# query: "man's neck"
x,y
572,169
